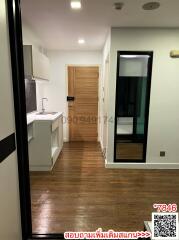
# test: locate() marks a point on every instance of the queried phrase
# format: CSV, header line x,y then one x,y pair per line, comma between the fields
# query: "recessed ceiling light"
x,y
128,56
151,5
76,4
81,41
134,56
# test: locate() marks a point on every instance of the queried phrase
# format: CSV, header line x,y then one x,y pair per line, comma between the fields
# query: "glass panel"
x,y
133,65
141,105
131,92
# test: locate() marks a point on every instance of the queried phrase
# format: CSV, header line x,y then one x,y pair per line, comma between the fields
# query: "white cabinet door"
x,y
46,144
40,64
40,146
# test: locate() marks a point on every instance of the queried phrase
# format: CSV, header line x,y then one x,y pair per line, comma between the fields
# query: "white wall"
x,y
107,47
163,131
104,90
10,223
56,89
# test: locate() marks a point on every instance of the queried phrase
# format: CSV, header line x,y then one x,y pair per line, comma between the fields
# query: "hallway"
x,y
81,195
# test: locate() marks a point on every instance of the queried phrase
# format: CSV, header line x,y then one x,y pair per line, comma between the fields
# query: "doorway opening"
x,y
90,194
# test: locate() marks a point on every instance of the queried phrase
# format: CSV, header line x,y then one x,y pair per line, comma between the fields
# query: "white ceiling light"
x,y
128,56
134,56
81,41
76,4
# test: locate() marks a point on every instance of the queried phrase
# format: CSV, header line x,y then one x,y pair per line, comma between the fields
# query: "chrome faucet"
x,y
43,108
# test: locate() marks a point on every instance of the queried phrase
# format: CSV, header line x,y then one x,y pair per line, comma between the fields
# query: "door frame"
x,y
99,95
105,96
17,64
148,93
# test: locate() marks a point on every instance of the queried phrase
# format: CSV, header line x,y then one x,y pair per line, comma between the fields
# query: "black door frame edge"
x,y
150,64
16,52
17,64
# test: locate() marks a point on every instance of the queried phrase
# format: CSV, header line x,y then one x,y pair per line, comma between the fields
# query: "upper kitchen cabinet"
x,y
36,63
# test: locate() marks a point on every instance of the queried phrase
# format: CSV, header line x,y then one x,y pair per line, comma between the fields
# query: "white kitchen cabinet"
x,y
46,144
30,132
60,132
36,63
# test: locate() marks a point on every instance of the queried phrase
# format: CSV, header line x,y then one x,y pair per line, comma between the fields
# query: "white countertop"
x,y
31,117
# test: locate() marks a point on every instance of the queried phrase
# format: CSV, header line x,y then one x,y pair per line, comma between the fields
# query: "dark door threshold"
x,y
47,236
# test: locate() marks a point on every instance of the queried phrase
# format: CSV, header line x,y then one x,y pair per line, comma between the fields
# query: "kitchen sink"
x,y
47,113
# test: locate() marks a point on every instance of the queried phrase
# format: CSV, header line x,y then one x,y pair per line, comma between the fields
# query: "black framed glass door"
x,y
134,71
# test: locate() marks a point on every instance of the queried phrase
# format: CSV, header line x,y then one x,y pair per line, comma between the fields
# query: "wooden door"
x,y
83,111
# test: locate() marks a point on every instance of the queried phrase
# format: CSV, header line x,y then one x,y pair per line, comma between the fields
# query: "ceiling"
x,y
60,27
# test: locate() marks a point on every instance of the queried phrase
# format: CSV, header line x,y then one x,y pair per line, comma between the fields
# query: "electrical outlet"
x,y
162,154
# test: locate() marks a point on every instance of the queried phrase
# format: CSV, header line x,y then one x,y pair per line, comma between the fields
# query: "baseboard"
x,y
40,168
142,165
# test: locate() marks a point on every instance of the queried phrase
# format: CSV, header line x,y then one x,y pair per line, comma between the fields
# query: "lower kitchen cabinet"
x,y
45,143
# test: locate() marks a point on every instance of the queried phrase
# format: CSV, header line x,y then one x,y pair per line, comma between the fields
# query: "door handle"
x,y
69,98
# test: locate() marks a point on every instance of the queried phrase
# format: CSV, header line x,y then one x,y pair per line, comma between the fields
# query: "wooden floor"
x,y
129,151
80,194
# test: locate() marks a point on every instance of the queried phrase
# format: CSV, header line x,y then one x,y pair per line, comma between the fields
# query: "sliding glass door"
x,y
132,105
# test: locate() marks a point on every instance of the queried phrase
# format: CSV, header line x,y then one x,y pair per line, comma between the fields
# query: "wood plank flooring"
x,y
132,151
81,195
